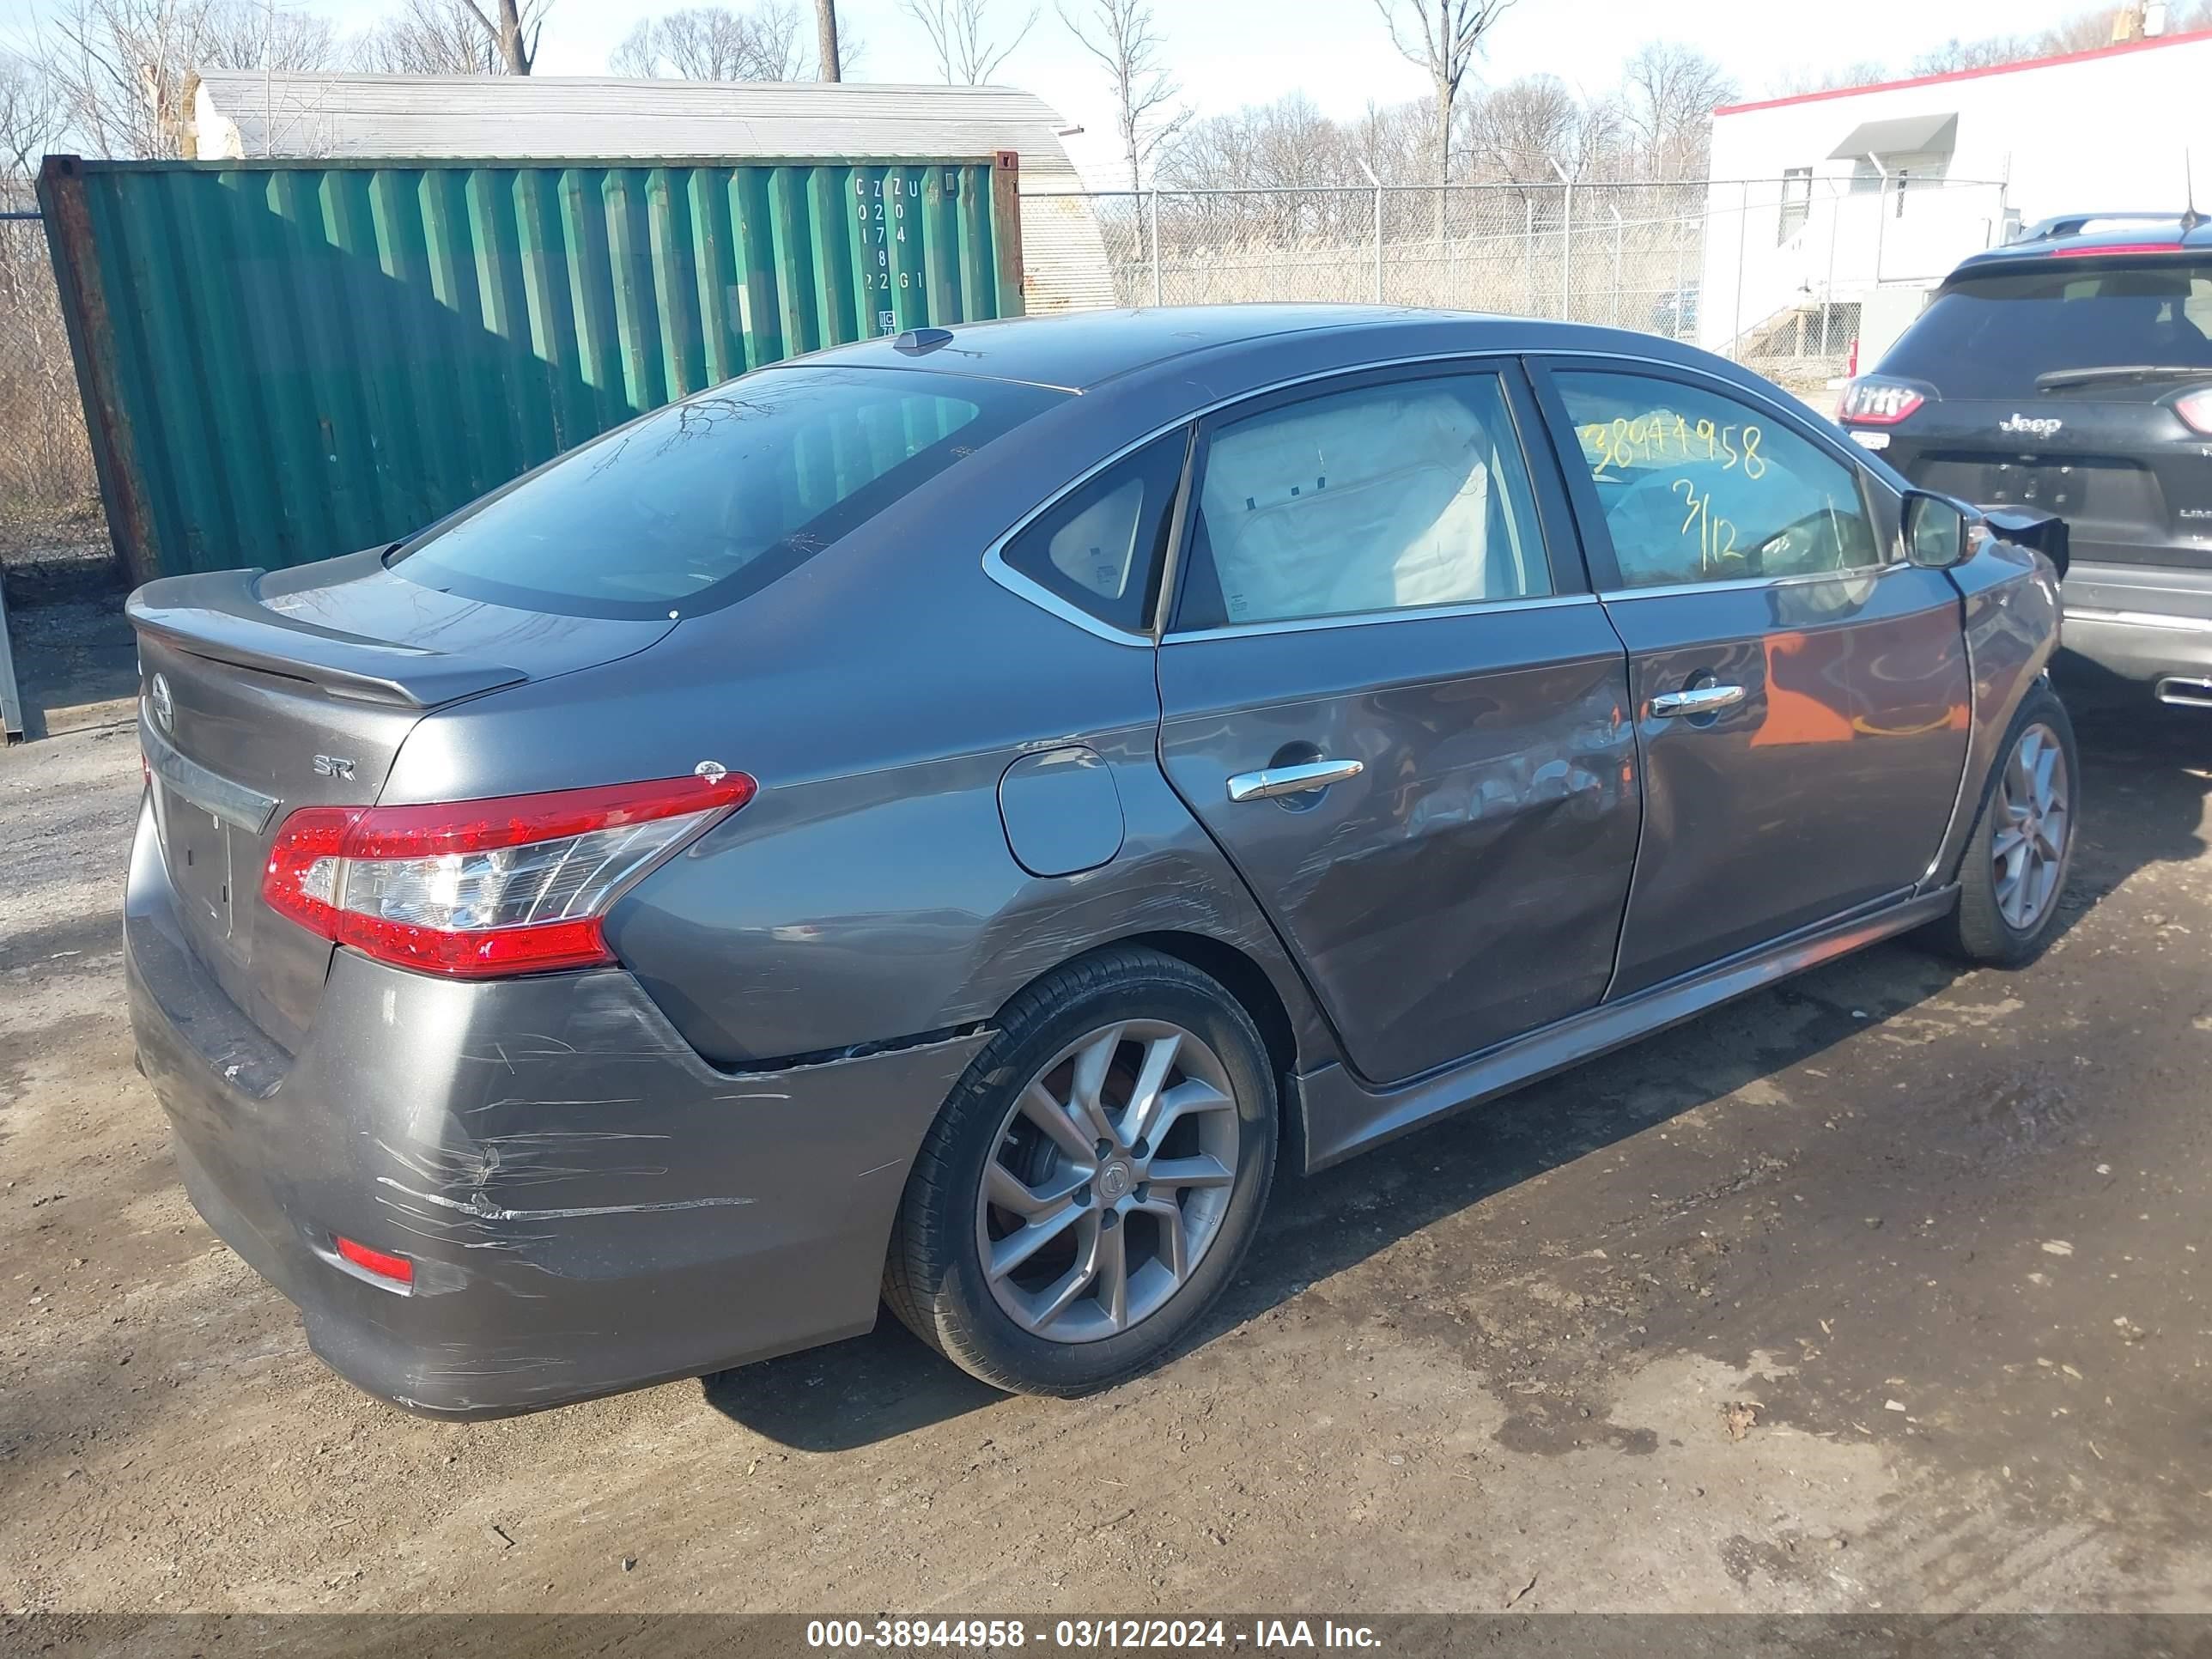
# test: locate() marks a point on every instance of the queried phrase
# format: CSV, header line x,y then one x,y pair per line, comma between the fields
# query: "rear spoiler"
x,y
219,615
2044,532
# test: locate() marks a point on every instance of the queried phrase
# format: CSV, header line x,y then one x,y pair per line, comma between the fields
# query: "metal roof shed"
x,y
246,113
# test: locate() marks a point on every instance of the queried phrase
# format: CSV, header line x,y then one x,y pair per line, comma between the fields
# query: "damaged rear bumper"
x,y
589,1206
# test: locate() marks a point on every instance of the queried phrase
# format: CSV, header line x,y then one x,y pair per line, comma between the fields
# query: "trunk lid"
x,y
263,693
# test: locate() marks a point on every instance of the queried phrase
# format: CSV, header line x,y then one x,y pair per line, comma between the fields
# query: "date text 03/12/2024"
x,y
1088,1635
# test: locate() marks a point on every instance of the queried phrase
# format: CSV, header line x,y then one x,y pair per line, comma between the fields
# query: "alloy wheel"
x,y
1108,1180
2035,819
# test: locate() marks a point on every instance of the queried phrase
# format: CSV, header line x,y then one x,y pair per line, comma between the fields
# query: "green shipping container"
x,y
283,360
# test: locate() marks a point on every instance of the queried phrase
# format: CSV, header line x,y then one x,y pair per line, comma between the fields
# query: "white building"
x,y
1887,186
248,113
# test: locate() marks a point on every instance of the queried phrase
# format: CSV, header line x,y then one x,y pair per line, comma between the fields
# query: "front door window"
x,y
1697,487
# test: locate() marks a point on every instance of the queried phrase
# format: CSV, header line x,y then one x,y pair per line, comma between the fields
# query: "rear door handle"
x,y
1275,781
1698,699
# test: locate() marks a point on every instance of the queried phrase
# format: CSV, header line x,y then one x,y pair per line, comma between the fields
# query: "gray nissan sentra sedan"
x,y
943,821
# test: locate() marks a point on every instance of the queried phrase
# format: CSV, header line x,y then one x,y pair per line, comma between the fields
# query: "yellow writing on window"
x,y
1716,535
1664,437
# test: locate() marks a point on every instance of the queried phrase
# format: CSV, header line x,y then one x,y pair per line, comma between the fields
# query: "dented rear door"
x,y
1374,582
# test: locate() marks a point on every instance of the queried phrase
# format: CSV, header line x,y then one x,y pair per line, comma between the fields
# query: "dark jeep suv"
x,y
2070,373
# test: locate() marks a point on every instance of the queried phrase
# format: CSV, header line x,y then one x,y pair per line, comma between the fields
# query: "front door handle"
x,y
1698,699
1275,781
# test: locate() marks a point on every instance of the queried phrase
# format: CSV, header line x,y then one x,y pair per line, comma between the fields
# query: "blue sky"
x,y
1228,53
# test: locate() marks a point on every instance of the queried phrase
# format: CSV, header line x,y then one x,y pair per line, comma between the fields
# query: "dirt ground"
x,y
1882,1290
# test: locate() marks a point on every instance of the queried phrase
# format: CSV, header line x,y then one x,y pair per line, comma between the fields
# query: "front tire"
x,y
2013,874
1094,1179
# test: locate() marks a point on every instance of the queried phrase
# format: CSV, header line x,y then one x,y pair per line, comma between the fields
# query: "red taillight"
x,y
1879,403
397,1268
2195,409
2115,247
482,888
300,881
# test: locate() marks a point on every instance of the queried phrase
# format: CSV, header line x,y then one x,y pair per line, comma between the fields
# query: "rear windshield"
x,y
1989,336
706,501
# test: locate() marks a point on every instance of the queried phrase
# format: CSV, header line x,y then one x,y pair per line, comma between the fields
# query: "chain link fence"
x,y
49,497
1769,271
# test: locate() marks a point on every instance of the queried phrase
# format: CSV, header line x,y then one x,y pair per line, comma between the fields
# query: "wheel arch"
x,y
1974,801
1243,979
937,1269
2009,610
1240,973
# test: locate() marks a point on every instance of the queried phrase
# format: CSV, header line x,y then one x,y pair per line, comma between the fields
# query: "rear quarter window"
x,y
1989,336
701,503
1101,546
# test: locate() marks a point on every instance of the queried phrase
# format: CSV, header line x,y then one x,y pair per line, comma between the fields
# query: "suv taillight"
x,y
1875,402
478,889
2195,409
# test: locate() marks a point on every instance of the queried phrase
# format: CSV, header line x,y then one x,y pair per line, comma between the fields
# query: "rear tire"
x,y
2012,876
1093,1181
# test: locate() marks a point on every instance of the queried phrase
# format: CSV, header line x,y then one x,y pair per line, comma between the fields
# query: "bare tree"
x,y
1956,54
1217,153
244,35
514,27
1287,144
1443,37
2085,31
1301,158
1119,34
714,43
637,54
1520,133
966,54
455,37
1668,95
30,117
825,40
122,73
1826,77
429,37
1394,141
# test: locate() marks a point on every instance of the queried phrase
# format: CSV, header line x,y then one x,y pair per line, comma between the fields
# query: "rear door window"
x,y
1395,497
1989,336
708,499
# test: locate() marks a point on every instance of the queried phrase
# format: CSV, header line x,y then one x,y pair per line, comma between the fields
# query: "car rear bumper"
x,y
2141,622
588,1204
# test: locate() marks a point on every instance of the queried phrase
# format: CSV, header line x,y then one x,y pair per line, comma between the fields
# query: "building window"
x,y
1796,202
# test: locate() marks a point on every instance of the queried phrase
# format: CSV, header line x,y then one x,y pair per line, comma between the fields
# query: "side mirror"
x,y
1936,530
